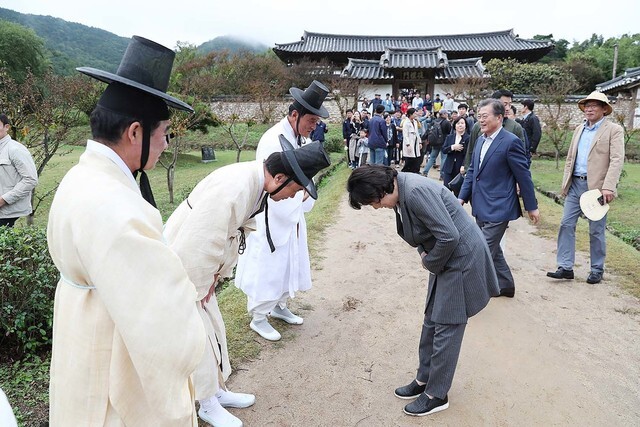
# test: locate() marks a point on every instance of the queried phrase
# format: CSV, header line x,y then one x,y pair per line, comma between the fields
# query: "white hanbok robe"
x,y
264,276
204,232
126,334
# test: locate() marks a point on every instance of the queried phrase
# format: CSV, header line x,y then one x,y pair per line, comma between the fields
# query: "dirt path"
x,y
557,354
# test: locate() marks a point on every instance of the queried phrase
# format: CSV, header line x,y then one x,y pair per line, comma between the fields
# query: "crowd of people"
x,y
135,306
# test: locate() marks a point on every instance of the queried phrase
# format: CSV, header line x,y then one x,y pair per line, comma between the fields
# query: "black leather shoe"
x,y
561,273
507,292
594,278
424,406
410,391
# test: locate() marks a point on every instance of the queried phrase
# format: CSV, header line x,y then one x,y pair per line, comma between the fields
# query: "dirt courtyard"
x,y
559,353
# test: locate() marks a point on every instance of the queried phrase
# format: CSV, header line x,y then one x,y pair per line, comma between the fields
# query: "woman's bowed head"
x,y
373,185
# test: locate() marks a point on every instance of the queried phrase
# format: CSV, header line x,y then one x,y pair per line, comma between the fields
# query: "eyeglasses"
x,y
170,136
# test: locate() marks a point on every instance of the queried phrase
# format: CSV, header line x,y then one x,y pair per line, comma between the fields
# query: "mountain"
x,y
72,45
232,44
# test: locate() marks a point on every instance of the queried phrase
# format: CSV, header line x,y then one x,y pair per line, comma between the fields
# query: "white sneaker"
x,y
229,399
265,330
217,416
286,315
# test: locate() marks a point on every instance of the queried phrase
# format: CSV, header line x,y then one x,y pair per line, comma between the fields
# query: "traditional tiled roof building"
x,y
625,86
392,64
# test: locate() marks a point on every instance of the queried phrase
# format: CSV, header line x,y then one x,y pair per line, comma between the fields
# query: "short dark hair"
x,y
380,109
107,126
349,110
457,119
529,103
513,108
4,119
295,106
496,106
274,164
369,183
410,111
502,92
463,105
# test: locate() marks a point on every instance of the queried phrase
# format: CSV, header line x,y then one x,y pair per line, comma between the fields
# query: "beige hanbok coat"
x,y
205,232
126,334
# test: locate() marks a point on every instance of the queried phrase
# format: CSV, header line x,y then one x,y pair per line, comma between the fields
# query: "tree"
x,y
559,52
624,118
181,122
231,130
521,78
43,110
470,89
552,95
21,50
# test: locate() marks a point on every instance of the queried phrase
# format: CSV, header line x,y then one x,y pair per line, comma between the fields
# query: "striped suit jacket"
x,y
432,219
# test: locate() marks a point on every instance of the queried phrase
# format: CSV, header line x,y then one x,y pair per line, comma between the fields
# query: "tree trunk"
x,y
238,155
557,159
170,179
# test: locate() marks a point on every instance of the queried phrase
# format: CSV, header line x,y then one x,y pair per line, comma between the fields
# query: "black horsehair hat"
x,y
145,66
304,162
312,98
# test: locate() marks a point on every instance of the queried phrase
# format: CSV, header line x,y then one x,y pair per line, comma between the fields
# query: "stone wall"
x,y
270,112
266,112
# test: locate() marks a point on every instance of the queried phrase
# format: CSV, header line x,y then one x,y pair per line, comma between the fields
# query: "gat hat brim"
x,y
593,206
145,66
107,77
597,96
305,162
312,98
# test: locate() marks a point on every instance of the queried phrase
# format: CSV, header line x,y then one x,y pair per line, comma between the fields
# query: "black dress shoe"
x,y
410,391
507,292
560,273
594,278
425,406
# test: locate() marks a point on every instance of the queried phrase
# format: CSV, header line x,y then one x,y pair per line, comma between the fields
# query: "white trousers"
x,y
259,309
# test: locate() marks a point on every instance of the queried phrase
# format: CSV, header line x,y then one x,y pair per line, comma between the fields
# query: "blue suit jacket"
x,y
492,186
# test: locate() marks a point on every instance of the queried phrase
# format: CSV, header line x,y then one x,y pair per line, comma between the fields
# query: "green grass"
x,y
622,217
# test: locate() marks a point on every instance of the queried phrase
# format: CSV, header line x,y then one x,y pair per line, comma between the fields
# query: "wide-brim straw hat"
x,y
597,96
591,206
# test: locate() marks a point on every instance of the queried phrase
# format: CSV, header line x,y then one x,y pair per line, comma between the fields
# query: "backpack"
x,y
435,135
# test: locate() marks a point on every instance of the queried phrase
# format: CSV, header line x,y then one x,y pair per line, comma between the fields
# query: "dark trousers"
x,y
412,164
7,222
493,232
438,353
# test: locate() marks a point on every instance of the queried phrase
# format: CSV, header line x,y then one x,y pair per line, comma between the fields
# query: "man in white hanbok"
x,y
126,332
270,272
208,230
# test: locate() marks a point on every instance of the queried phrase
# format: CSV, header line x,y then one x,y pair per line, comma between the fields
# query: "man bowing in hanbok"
x,y
126,332
274,267
208,230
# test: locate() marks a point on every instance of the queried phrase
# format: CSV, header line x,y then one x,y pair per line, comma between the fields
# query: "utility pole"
x,y
615,60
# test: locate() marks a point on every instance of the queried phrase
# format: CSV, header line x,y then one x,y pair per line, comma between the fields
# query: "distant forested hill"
x,y
232,44
72,45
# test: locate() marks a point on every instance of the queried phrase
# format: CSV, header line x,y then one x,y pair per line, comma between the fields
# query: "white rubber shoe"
x,y
286,315
229,399
217,416
265,330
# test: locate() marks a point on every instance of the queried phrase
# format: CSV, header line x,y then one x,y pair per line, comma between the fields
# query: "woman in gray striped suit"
x,y
452,248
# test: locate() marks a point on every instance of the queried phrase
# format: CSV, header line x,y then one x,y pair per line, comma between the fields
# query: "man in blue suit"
x,y
498,166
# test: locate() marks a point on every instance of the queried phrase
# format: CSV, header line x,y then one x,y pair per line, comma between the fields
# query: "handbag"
x,y
455,184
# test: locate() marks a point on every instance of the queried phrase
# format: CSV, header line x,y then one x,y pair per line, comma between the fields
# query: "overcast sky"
x,y
283,21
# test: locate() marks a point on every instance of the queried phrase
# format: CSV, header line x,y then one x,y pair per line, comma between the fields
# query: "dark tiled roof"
x,y
366,69
630,76
480,42
461,68
413,58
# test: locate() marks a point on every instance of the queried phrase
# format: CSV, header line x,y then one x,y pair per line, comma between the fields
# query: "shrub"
x,y
28,280
334,144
